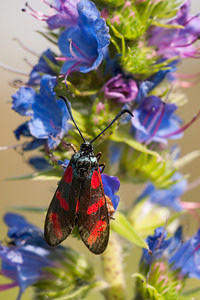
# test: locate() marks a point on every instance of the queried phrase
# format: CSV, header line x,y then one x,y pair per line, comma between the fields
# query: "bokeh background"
x,y
16,24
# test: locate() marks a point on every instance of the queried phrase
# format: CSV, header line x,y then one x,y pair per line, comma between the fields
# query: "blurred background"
x,y
16,24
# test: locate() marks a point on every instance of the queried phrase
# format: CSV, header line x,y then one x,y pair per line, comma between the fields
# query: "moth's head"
x,y
87,147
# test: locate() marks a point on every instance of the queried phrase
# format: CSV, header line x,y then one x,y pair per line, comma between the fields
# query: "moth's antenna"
x,y
115,119
70,113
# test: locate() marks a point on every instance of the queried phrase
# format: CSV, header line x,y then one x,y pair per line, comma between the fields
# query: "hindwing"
x,y
93,220
60,218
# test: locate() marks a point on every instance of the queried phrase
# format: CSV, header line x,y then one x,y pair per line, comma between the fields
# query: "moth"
x,y
80,200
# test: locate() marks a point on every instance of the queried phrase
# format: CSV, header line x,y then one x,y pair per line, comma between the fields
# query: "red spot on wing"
x,y
63,202
93,208
95,180
99,228
77,206
68,174
53,218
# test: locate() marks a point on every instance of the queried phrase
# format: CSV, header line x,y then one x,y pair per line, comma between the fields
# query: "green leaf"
x,y
128,22
113,3
142,167
48,37
54,67
45,175
123,227
189,157
191,293
125,137
165,9
29,209
146,223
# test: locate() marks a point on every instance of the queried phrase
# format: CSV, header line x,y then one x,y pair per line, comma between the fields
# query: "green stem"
x,y
113,270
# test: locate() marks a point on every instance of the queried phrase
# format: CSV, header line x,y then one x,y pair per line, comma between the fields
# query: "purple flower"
x,y
121,89
25,257
155,121
173,42
85,44
111,186
42,67
48,115
66,14
166,197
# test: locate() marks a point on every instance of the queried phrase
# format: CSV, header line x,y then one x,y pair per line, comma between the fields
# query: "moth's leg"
x,y
67,145
98,156
102,167
50,154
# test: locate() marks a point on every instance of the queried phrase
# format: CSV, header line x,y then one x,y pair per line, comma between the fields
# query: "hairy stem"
x,y
113,270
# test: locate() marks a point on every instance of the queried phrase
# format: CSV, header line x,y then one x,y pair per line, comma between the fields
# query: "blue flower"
x,y
155,121
146,86
40,163
85,44
166,197
48,115
157,245
25,257
115,152
182,256
42,67
187,257
111,186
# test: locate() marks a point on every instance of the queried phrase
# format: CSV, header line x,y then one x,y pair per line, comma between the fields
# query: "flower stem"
x,y
113,270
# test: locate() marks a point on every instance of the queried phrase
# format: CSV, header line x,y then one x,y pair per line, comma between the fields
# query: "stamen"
x,y
183,128
31,14
50,5
187,84
197,248
25,47
7,286
154,119
10,69
159,120
11,147
53,126
162,235
193,184
147,117
28,63
78,49
36,12
191,76
69,71
71,50
190,43
190,205
64,58
193,17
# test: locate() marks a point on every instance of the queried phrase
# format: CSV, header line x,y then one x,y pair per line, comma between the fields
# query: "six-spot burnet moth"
x,y
80,199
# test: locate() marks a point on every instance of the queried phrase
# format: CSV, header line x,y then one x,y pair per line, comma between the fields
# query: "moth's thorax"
x,y
84,160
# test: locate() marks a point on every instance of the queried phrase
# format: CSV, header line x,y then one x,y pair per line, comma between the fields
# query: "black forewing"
x,y
93,220
60,218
